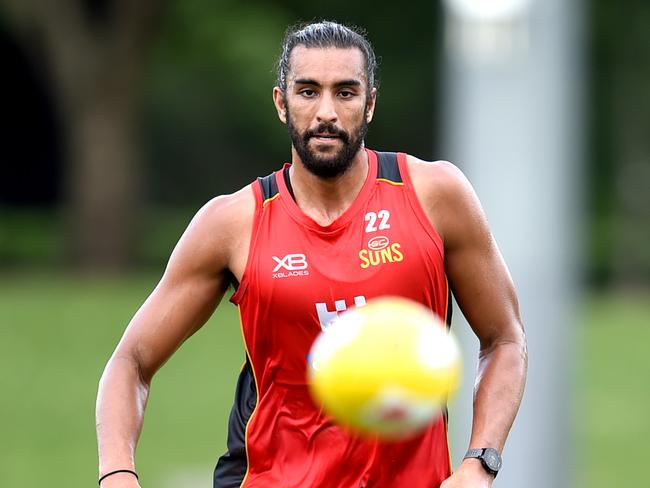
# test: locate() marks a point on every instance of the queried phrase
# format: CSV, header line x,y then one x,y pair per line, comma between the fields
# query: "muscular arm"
x,y
193,284
485,293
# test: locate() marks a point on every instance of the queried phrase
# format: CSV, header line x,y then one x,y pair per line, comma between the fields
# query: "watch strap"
x,y
474,453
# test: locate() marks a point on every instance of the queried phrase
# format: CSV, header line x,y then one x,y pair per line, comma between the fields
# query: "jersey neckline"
x,y
295,211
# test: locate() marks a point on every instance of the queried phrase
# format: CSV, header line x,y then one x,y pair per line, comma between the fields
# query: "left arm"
x,y
485,293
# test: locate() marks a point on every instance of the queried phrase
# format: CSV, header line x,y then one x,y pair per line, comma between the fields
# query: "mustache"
x,y
327,128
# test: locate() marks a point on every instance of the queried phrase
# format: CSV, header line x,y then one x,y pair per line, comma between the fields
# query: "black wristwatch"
x,y
490,459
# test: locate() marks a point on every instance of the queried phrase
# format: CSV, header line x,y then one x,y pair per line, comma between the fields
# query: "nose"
x,y
326,109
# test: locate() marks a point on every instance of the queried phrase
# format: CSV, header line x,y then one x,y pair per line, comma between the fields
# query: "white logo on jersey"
x,y
378,243
294,264
291,262
326,317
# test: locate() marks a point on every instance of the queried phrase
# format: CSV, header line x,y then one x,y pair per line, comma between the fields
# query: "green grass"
x,y
56,335
612,398
57,332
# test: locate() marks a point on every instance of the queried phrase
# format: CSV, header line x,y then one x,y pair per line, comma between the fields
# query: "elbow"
x,y
517,346
512,339
522,344
516,337
126,364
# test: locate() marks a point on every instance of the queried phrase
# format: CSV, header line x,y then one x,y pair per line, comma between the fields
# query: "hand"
x,y
121,480
470,474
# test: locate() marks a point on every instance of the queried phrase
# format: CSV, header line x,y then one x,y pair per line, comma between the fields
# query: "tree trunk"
x,y
95,53
103,180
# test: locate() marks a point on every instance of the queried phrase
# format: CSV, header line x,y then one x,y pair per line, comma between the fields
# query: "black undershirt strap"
x,y
389,160
287,180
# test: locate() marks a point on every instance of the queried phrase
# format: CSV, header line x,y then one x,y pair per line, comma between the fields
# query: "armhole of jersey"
x,y
258,193
417,206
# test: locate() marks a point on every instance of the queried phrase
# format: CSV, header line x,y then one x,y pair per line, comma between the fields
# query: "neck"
x,y
325,199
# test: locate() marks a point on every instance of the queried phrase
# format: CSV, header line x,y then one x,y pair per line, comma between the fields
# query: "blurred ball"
x,y
386,368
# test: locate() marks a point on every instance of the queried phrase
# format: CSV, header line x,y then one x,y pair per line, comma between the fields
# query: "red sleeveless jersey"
x,y
298,277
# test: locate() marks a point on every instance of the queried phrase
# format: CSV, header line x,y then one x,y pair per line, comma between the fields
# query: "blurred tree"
x,y
211,124
620,146
209,105
94,51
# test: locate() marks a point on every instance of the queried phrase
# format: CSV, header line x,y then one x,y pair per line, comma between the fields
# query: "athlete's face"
x,y
327,107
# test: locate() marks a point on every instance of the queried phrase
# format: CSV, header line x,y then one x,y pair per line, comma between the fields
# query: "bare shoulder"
x,y
227,212
436,178
217,233
447,197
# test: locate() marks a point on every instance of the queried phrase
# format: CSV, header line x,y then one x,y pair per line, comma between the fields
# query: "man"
x,y
297,246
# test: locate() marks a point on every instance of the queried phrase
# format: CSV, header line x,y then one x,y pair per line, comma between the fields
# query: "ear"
x,y
370,105
280,105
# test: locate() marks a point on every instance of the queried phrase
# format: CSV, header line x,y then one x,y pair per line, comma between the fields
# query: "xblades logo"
x,y
290,265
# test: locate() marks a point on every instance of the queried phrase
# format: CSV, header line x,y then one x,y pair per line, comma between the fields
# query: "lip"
x,y
325,138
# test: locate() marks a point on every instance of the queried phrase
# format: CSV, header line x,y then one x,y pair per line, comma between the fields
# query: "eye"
x,y
308,93
346,94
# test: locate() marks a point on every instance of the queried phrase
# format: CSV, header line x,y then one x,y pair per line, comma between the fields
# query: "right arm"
x,y
193,284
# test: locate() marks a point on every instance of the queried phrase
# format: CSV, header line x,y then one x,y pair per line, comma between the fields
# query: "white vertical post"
x,y
512,123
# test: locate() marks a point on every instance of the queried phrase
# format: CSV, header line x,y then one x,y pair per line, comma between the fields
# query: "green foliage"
x,y
212,122
618,145
30,237
34,239
212,126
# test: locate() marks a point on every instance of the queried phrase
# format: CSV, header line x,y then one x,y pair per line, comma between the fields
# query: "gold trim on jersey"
x,y
395,183
257,393
270,199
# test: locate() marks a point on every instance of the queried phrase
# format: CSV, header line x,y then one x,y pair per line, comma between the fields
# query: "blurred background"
x,y
120,119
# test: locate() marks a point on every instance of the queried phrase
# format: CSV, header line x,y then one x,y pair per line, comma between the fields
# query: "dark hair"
x,y
326,34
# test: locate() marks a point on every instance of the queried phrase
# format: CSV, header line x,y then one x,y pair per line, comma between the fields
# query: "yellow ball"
x,y
386,368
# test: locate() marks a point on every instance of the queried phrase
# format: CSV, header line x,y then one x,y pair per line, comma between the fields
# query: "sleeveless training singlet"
x,y
299,275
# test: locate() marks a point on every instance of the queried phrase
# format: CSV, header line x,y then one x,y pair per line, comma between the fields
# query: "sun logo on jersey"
x,y
380,251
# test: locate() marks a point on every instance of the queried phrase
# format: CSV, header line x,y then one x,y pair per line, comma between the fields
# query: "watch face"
x,y
492,460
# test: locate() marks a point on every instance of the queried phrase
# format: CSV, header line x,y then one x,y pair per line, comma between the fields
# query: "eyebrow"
x,y
309,81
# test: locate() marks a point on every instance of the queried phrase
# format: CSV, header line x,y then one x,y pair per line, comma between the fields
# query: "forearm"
x,y
499,388
121,401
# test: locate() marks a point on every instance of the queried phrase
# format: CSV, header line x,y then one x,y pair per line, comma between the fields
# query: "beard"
x,y
327,165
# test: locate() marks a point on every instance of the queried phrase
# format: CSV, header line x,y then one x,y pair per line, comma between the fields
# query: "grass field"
x,y
56,334
612,397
